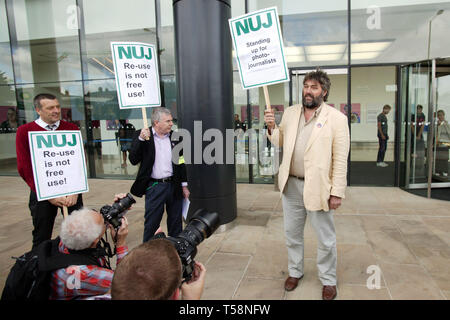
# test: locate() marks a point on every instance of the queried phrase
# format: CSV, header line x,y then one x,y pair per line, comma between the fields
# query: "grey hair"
x,y
157,112
80,229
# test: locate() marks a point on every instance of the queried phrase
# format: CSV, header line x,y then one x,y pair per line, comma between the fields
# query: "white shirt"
x,y
162,168
41,123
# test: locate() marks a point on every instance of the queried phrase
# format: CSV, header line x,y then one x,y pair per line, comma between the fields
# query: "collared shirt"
x,y
305,129
80,282
49,127
162,168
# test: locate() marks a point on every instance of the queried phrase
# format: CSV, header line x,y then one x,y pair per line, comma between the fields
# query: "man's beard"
x,y
314,103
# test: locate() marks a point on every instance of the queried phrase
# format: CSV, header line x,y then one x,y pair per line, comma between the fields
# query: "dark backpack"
x,y
29,278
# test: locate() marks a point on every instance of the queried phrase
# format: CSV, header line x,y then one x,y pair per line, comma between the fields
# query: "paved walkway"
x,y
406,236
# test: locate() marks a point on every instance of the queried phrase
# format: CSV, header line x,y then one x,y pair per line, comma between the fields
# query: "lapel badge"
x,y
319,125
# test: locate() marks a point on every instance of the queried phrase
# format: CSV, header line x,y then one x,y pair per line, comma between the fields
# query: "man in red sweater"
x,y
43,212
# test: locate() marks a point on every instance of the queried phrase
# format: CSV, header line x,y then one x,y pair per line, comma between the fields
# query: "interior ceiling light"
x,y
293,59
335,52
370,46
325,57
293,51
365,55
325,49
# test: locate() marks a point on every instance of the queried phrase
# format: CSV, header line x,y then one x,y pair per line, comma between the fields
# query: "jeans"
x,y
382,149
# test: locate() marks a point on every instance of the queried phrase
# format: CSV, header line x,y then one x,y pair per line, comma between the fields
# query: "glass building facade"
x,y
376,52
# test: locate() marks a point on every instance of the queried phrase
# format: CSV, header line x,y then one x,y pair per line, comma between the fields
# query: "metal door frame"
x,y
432,97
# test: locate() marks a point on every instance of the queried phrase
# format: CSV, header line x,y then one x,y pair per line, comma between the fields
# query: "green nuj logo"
x,y
52,140
248,24
130,51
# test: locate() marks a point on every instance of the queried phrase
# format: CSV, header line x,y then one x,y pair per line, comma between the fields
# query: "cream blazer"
x,y
325,155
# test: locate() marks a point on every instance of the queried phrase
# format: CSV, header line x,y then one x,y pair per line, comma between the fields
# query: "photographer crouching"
x,y
82,234
164,268
153,271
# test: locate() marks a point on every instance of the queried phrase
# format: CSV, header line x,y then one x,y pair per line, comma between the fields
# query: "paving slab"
x,y
406,236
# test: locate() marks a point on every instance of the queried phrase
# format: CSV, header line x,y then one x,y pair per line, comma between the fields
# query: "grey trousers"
x,y
294,223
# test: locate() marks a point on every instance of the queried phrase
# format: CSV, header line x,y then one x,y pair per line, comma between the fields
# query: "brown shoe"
x,y
329,292
291,283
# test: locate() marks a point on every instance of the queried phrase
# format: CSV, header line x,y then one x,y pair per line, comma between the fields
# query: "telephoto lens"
x,y
201,226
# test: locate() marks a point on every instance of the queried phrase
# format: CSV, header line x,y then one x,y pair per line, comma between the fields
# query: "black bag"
x,y
29,278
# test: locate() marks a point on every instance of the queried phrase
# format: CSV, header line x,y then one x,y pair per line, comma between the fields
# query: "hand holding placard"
x,y
259,50
258,45
137,77
59,166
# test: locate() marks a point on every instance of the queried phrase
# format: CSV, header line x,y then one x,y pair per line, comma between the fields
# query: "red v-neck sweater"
x,y
23,148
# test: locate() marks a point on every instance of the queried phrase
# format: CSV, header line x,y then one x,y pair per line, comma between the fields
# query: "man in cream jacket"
x,y
312,176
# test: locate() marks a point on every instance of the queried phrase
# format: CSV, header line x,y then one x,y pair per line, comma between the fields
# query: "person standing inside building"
x,y
125,136
382,133
43,212
237,122
163,182
312,177
417,127
12,122
443,144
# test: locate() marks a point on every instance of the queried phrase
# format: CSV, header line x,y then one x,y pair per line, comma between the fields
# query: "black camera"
x,y
113,214
201,226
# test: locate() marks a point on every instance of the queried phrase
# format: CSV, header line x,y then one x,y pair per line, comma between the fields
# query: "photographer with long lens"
x,y
164,268
152,271
82,233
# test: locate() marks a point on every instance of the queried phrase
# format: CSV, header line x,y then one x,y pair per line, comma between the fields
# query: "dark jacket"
x,y
143,152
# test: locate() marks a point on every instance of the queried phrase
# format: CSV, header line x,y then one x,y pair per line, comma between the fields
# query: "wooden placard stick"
x,y
65,212
266,96
144,118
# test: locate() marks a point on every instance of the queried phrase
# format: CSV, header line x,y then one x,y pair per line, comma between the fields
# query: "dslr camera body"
x,y
201,226
112,214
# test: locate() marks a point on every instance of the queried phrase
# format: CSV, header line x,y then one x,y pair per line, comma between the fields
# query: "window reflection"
x,y
45,48
314,33
6,71
398,32
121,23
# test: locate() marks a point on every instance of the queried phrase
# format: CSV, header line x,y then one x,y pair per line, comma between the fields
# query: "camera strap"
x,y
106,247
96,255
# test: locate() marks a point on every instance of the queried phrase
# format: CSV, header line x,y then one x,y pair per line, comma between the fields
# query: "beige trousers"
x,y
295,215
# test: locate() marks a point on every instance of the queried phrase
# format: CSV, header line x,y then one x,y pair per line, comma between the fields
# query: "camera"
x,y
112,214
200,227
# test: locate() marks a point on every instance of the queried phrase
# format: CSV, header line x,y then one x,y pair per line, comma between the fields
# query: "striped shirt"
x,y
82,282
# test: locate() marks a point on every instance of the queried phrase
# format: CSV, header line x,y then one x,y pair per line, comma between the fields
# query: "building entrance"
x,y
425,139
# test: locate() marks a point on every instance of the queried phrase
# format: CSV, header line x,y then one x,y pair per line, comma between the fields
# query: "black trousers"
x,y
44,214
